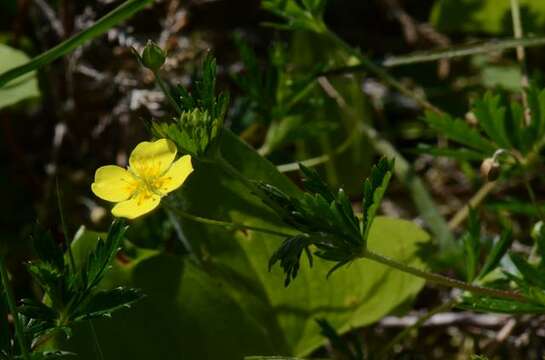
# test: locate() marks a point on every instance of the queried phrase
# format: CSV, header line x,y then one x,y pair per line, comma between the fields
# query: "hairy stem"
x,y
10,299
443,280
521,57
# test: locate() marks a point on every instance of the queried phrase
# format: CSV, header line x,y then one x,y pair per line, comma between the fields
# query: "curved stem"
x,y
479,196
19,331
443,280
228,225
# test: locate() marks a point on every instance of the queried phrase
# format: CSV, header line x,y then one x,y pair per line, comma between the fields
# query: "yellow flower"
x,y
152,174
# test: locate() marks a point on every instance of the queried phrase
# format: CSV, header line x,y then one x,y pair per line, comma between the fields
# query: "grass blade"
x,y
119,14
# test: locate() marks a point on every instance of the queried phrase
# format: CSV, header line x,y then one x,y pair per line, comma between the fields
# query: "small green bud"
x,y
153,57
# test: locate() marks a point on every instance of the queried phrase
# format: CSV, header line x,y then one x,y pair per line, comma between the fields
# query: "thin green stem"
x,y
450,53
438,309
227,224
119,14
443,280
479,196
100,353
381,73
64,227
10,299
521,57
164,87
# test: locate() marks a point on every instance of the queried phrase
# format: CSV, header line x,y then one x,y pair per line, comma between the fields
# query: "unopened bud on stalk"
x,y
490,169
153,57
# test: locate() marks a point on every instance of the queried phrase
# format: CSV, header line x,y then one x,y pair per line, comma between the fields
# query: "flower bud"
x,y
153,57
490,169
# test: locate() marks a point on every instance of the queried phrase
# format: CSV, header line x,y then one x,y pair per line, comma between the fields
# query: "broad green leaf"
x,y
486,16
231,300
18,89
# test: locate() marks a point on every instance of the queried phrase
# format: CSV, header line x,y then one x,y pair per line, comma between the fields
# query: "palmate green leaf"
x,y
104,303
488,304
19,89
498,251
232,300
53,282
459,131
491,114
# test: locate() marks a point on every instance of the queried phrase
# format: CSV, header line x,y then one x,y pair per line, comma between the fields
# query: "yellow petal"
x,y
113,183
176,175
152,159
136,206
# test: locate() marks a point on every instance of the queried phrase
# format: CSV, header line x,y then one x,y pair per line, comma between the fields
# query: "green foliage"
x,y
20,89
485,16
326,219
199,126
278,97
498,251
298,14
196,303
488,304
472,245
349,350
70,295
500,125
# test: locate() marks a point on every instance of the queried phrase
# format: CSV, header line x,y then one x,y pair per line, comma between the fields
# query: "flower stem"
x,y
19,331
443,280
168,93
228,225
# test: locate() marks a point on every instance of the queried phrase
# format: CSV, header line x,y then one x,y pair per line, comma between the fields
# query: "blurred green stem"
x,y
10,299
521,57
443,280
226,224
